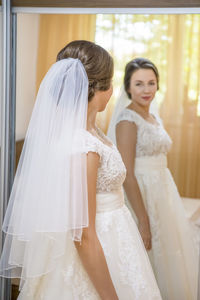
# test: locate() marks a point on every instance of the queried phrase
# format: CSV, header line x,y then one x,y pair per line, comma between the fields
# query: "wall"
x,y
27,44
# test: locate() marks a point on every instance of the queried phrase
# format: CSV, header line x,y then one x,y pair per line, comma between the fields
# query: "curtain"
x,y
55,31
172,42
180,108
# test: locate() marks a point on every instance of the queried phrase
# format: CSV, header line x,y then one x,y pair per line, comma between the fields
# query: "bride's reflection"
x,y
28,62
149,186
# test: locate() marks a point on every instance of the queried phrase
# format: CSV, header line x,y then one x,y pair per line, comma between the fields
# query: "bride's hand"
x,y
145,232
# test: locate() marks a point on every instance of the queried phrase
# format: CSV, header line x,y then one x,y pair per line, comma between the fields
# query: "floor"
x,y
192,208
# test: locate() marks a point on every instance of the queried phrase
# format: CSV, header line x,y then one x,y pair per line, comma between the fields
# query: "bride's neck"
x,y
143,110
91,118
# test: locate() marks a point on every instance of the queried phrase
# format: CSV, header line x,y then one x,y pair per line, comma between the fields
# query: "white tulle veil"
x,y
122,102
48,205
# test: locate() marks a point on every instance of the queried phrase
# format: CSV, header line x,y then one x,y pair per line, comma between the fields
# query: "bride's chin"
x,y
102,108
146,103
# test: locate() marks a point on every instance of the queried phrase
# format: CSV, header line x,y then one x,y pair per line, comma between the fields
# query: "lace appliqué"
x,y
111,171
131,270
77,279
151,139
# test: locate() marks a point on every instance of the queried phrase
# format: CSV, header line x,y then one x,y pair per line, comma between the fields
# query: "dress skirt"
x,y
174,254
125,254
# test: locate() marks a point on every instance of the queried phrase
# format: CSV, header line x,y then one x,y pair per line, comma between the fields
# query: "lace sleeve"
x,y
128,115
93,145
85,142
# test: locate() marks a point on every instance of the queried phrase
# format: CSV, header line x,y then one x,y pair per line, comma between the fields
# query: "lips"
x,y
146,98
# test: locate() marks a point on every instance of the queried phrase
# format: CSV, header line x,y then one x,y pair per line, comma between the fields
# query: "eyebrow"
x,y
142,81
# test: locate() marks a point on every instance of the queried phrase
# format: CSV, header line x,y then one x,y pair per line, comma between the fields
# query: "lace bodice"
x,y
111,171
152,139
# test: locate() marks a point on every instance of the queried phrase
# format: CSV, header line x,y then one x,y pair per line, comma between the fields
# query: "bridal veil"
x,y
48,204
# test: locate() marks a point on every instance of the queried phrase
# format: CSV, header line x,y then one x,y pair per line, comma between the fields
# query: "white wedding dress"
x,y
125,254
174,253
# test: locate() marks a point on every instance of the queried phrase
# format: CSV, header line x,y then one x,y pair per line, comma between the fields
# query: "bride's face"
x,y
143,86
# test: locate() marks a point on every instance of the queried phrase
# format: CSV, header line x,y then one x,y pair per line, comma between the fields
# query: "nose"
x,y
146,89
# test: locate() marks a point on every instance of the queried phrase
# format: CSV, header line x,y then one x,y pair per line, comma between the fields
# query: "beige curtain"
x,y
172,42
180,108
55,31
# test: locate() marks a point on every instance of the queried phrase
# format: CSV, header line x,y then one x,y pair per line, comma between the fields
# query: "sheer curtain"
x,y
172,42
180,109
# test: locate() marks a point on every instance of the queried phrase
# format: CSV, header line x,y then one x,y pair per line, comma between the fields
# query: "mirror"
x,y
170,41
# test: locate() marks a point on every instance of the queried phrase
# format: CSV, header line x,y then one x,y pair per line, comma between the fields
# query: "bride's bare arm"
x,y
90,250
126,136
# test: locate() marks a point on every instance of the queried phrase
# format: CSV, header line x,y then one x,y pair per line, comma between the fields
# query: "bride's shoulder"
x,y
128,115
87,142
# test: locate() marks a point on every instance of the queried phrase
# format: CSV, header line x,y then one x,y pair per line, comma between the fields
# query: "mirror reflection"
x,y
171,42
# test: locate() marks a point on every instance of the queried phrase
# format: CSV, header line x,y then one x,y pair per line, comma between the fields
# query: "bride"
x,y
68,233
149,186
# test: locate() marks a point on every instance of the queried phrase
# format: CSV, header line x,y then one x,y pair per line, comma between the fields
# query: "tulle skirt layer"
x,y
174,255
126,257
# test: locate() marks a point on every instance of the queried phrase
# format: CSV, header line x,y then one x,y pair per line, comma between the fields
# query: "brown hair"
x,y
96,60
134,65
